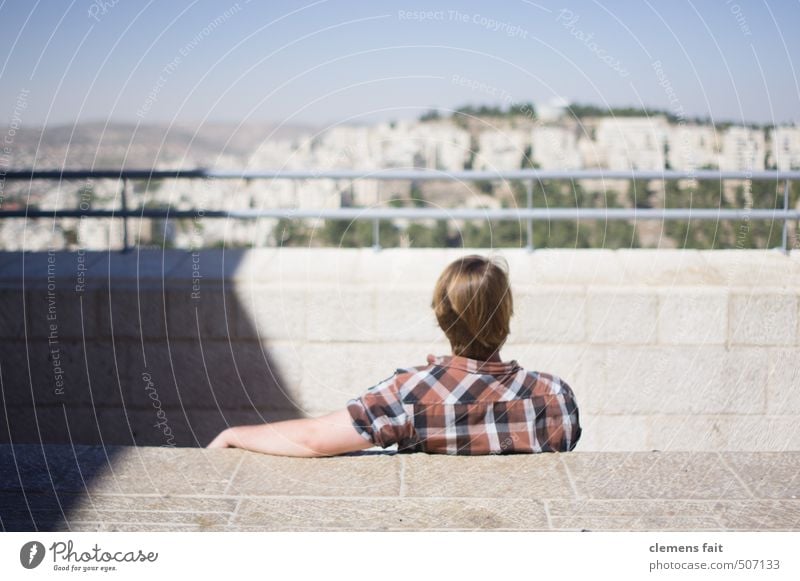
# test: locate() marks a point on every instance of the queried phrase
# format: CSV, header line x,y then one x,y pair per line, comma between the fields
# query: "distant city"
x,y
551,136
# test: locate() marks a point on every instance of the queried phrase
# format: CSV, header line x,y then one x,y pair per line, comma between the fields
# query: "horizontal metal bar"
x,y
395,174
423,213
103,174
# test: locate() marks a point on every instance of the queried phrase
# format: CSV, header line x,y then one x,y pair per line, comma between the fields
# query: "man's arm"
x,y
309,437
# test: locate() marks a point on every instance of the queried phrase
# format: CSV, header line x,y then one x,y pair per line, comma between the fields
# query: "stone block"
x,y
689,316
665,268
675,522
396,267
761,515
274,312
512,476
723,432
174,471
340,313
765,433
360,476
12,314
633,515
306,266
7,258
696,433
177,504
416,514
130,313
327,376
208,375
287,357
131,425
684,380
754,268
65,373
595,267
653,475
150,520
62,313
763,318
36,267
211,265
212,313
768,474
28,511
621,316
42,471
27,425
405,314
549,315
783,395
142,266
173,426
617,433
334,373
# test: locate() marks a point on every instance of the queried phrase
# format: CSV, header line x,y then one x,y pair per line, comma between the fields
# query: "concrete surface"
x,y
90,488
668,350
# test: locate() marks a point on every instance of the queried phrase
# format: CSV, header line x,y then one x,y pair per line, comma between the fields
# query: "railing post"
x,y
529,185
125,246
376,232
785,240
376,235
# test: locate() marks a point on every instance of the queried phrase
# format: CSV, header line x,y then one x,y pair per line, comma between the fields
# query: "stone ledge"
x,y
89,488
403,266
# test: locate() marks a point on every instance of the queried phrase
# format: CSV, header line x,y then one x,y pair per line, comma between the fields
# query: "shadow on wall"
x,y
111,349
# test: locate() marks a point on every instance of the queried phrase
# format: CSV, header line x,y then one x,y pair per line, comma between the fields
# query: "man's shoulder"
x,y
412,369
405,376
400,378
549,383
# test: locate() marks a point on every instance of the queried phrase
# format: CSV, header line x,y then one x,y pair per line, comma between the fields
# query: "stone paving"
x,y
91,488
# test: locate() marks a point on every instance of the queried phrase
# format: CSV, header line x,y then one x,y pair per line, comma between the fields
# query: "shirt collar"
x,y
474,365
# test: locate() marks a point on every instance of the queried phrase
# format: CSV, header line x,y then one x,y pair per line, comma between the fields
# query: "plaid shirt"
x,y
456,405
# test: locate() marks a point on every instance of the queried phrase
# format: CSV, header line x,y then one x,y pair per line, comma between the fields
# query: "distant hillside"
x,y
153,145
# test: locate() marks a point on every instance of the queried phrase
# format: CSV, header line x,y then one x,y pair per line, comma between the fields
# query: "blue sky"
x,y
331,60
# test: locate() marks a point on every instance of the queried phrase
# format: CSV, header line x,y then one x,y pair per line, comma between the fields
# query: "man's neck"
x,y
493,357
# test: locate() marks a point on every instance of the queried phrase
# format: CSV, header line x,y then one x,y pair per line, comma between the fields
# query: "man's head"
x,y
472,302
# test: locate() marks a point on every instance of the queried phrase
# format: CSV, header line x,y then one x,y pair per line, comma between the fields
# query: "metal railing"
x,y
529,214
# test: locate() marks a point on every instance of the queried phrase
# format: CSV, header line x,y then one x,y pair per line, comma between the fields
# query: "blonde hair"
x,y
473,305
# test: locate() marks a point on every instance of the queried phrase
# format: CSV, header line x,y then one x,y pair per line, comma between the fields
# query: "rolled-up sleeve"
x,y
572,423
379,415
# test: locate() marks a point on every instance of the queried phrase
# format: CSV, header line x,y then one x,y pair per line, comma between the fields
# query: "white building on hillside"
x,y
632,142
395,145
555,148
501,149
785,148
692,147
743,149
442,146
347,147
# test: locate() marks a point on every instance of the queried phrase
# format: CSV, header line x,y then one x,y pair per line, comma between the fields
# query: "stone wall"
x,y
667,350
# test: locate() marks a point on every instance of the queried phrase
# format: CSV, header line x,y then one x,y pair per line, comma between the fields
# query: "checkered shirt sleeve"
x,y
380,416
557,424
